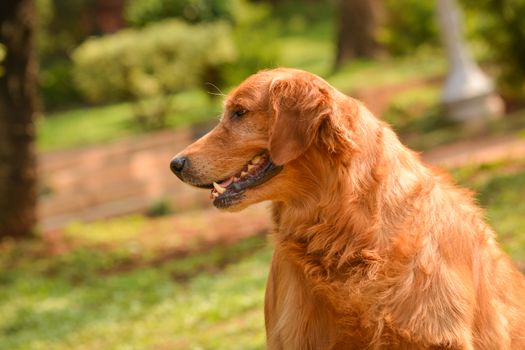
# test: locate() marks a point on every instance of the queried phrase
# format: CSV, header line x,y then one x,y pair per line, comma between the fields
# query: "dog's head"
x,y
270,122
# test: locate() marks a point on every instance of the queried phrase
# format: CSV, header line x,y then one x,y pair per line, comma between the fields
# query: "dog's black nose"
x,y
177,164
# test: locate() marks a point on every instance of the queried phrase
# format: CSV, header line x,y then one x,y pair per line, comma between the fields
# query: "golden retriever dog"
x,y
373,248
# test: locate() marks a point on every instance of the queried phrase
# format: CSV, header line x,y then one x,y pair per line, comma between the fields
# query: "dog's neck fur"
x,y
308,219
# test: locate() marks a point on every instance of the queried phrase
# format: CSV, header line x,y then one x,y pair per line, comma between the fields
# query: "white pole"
x,y
468,94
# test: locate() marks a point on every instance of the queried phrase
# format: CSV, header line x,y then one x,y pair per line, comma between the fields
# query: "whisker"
x,y
220,93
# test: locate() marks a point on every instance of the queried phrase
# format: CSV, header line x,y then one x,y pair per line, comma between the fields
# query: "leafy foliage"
x,y
253,30
163,57
62,25
255,35
145,65
142,12
160,207
502,29
57,86
410,25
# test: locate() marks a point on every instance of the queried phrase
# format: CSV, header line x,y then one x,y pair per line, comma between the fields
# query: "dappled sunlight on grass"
x,y
201,300
114,230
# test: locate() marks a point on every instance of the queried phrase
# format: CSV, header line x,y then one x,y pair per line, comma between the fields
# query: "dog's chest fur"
x,y
301,309
314,302
311,303
311,310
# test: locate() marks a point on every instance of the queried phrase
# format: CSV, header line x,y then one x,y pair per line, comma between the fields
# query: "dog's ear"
x,y
300,105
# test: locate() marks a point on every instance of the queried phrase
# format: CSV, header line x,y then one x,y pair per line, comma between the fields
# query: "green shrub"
x,y
409,25
160,207
150,63
166,57
502,29
61,26
413,25
142,12
57,86
254,31
255,36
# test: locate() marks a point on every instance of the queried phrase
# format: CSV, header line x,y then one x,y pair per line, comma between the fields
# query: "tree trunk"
x,y
358,21
18,103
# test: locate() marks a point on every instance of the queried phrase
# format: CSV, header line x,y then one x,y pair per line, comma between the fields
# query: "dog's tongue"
x,y
227,182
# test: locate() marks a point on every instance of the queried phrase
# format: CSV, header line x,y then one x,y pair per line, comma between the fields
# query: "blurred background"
x,y
101,247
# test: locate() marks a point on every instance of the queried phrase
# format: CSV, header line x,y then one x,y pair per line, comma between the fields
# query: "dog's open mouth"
x,y
256,172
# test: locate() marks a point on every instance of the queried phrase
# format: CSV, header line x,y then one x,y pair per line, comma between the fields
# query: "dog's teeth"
x,y
235,179
244,174
256,159
250,167
219,188
215,194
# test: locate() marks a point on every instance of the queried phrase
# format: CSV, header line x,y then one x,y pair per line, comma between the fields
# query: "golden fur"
x,y
373,249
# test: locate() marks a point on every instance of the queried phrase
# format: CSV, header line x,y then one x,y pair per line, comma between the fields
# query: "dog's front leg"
x,y
295,317
270,313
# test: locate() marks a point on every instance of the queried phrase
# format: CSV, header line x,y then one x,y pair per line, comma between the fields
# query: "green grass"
x,y
107,292
366,74
500,189
85,126
96,125
114,230
212,300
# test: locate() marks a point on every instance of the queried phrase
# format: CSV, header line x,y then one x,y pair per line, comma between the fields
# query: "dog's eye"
x,y
238,113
